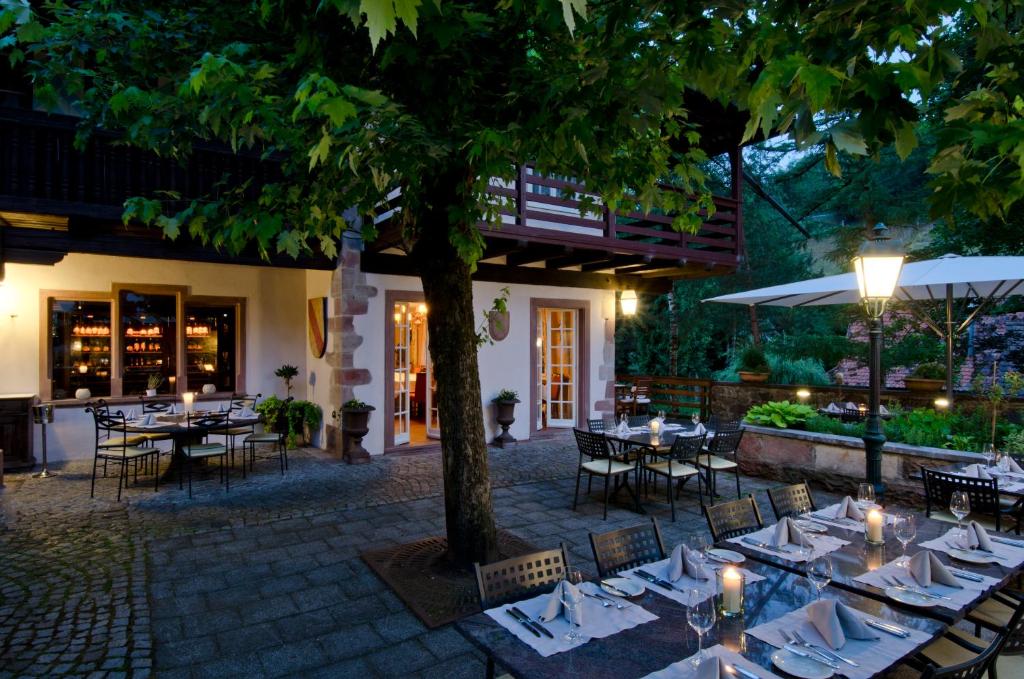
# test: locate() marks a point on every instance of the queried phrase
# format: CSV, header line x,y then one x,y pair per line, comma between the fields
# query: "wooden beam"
x,y
536,253
575,260
615,262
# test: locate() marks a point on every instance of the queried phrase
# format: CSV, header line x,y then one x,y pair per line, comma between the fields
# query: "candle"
x,y
188,399
732,591
873,528
655,426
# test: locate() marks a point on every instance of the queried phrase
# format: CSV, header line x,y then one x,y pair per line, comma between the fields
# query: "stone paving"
x,y
264,580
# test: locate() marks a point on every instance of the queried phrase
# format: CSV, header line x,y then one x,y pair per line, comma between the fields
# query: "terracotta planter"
x,y
922,384
753,377
505,416
355,424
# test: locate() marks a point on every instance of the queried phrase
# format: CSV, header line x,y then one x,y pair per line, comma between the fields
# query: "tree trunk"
x,y
447,287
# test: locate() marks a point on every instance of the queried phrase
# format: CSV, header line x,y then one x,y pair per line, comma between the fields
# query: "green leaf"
x,y
568,7
849,141
380,19
318,154
338,109
408,13
906,139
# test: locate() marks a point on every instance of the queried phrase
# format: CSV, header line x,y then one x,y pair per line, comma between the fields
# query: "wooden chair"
x,y
791,500
642,399
626,548
986,506
678,466
965,656
114,444
731,519
722,456
603,462
199,427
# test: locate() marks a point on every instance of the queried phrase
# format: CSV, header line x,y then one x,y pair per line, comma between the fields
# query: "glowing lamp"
x,y
628,301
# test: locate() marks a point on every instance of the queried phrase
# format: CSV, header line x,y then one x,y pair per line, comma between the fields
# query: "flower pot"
x,y
921,384
355,424
505,415
151,392
746,376
83,394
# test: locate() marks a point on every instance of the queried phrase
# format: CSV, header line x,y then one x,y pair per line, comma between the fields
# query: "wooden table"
x,y
652,646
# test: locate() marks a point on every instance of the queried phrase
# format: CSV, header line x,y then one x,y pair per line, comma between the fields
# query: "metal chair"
x,y
154,407
279,441
722,456
603,462
732,519
238,403
960,655
717,424
635,421
982,493
626,548
678,466
199,426
115,445
791,500
596,426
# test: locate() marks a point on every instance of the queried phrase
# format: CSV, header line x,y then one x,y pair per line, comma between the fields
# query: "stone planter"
x,y
505,416
746,376
921,384
355,424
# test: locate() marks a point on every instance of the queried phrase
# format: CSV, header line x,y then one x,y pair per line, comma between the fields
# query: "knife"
x,y
920,592
1004,541
656,580
764,545
522,622
736,669
796,651
889,629
536,625
834,519
613,589
965,575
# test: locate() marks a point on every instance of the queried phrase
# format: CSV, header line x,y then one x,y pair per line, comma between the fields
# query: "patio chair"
x,y
642,399
718,424
154,407
603,462
199,426
113,444
635,421
986,506
722,456
238,403
626,548
597,426
791,500
732,519
677,465
965,656
852,416
277,439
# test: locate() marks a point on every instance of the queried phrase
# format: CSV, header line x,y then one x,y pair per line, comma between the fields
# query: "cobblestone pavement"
x,y
264,580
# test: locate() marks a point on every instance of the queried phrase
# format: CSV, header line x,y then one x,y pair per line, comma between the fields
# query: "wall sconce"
x,y
803,394
628,301
942,403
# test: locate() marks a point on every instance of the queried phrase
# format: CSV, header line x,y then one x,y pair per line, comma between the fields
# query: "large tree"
x,y
356,98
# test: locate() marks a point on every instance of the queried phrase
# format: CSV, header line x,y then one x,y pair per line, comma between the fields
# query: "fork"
x,y
604,602
824,652
791,638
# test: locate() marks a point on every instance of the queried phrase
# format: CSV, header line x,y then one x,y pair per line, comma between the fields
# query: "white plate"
x,y
971,556
727,555
910,598
805,668
628,585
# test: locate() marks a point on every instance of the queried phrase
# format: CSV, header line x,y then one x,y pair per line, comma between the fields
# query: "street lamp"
x,y
877,264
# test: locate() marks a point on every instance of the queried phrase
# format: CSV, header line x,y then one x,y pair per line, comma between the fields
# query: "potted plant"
x,y
930,376
753,365
273,411
355,424
153,383
287,373
303,417
504,409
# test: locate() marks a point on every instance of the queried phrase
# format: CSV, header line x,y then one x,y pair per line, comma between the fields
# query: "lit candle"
x,y
732,591
874,522
655,426
188,399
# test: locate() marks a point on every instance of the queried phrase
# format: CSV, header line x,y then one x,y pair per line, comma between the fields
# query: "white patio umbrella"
x,y
989,280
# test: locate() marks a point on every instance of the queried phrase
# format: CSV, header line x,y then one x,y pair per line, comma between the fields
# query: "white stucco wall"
x,y
317,370
503,364
275,324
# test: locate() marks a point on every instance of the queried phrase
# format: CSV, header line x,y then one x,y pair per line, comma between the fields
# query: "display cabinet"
x,y
80,344
210,346
148,342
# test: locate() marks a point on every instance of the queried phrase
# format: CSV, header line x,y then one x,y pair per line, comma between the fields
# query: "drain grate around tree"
x,y
425,580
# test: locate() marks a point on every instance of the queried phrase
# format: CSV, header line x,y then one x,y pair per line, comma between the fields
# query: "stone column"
x,y
606,371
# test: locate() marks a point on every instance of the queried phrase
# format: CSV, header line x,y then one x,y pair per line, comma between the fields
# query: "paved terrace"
x,y
266,580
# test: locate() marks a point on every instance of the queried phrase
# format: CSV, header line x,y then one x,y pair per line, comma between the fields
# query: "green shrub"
x,y
831,425
752,359
781,414
270,409
507,395
929,371
301,413
797,371
1014,440
920,427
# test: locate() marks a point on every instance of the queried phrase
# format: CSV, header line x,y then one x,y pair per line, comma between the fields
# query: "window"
x,y
148,324
210,333
80,345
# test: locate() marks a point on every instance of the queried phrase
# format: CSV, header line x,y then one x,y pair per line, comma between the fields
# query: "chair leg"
x,y
490,667
92,488
576,496
122,478
737,483
672,499
284,449
606,497
590,481
280,453
190,477
156,470
227,474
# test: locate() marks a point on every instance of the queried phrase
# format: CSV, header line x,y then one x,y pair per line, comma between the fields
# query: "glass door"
x,y
403,372
560,362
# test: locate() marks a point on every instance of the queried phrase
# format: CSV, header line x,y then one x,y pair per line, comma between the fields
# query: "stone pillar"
x,y
606,371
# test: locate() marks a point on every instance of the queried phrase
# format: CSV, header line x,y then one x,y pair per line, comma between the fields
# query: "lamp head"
x,y
628,302
878,265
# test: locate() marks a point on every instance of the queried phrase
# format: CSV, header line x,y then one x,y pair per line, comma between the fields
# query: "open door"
x,y
557,368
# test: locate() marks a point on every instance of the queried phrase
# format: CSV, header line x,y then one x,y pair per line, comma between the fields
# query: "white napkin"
x,y
786,533
976,471
882,410
130,415
220,408
1011,465
712,668
246,413
850,405
833,408
622,429
926,569
555,607
148,419
849,508
685,561
835,622
977,536
699,429
173,410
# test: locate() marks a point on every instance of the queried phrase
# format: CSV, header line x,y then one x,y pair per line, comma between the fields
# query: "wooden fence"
x,y
677,396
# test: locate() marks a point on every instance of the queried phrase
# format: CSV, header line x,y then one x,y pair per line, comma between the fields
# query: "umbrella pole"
x,y
949,344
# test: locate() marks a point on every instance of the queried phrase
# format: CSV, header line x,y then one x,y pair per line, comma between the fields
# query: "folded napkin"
x,y
685,561
977,536
833,408
835,622
148,419
130,415
622,429
848,509
786,533
882,410
850,405
976,471
220,408
173,410
699,429
712,668
246,413
555,606
926,569
1012,466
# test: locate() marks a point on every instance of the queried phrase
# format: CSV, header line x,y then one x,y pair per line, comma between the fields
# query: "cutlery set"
x,y
896,583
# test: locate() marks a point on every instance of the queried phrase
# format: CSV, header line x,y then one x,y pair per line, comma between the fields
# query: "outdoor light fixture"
x,y
942,403
628,302
878,265
803,394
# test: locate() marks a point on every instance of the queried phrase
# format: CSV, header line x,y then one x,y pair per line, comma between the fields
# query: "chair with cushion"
x,y
151,406
722,456
199,426
731,519
626,548
986,506
278,442
791,500
677,465
965,656
239,403
113,444
603,462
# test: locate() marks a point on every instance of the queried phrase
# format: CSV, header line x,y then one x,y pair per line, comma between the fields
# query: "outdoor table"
x,y
654,645
1011,485
856,558
176,426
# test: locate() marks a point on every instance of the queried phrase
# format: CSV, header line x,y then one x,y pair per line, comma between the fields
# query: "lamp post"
x,y
877,265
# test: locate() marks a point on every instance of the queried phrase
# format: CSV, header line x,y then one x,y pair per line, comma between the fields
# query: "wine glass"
x,y
700,544
905,528
695,418
865,495
989,451
819,572
960,505
572,605
701,617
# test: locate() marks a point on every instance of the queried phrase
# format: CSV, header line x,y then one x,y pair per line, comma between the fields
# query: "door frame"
x,y
582,307
392,297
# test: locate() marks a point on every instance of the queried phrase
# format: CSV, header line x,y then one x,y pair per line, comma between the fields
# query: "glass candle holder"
x,y
873,522
731,584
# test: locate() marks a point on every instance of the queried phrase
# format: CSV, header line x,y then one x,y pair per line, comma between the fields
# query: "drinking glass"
x,y
572,605
819,572
701,617
865,495
960,505
989,451
695,418
700,543
905,527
